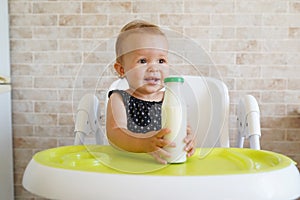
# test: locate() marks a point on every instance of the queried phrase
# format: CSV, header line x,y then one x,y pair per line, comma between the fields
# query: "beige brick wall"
x,y
58,52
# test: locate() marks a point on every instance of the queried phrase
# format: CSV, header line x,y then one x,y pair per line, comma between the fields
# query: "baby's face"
x,y
146,65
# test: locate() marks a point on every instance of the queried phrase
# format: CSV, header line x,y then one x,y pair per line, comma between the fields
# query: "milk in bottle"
x,y
174,117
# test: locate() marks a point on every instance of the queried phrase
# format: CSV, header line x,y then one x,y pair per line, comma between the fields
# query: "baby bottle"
x,y
174,117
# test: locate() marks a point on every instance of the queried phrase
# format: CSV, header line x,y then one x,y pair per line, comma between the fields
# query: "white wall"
x,y
6,158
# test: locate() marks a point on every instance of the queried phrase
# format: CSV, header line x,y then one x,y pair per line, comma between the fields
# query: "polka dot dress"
x,y
142,116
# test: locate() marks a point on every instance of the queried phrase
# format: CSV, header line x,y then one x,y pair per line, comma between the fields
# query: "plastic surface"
x,y
207,103
106,159
248,122
73,172
88,119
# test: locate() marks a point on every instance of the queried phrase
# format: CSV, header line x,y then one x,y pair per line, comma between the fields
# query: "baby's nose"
x,y
152,68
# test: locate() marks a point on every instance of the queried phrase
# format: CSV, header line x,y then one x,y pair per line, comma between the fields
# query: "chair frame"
x,y
207,96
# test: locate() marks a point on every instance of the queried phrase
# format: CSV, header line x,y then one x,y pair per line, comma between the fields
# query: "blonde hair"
x,y
135,26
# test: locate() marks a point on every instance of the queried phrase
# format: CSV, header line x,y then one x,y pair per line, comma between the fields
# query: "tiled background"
x,y
59,49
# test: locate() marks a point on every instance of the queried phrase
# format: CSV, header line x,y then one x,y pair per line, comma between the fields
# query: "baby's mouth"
x,y
152,80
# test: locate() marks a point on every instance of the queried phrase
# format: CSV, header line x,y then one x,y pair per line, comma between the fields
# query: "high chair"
x,y
207,103
216,170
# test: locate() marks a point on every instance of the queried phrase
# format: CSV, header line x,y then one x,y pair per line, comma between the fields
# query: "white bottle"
x,y
174,117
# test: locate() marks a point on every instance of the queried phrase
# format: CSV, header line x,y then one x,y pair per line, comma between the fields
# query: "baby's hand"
x,y
159,155
190,143
158,142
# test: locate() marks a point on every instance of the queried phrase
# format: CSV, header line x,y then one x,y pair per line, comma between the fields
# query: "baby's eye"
x,y
142,61
161,61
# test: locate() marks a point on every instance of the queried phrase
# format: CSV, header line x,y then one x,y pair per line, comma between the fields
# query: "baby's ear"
x,y
119,69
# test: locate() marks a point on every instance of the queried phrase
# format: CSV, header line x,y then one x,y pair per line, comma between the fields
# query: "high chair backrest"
x,y
207,108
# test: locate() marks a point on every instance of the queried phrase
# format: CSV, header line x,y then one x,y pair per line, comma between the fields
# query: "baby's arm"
x,y
119,136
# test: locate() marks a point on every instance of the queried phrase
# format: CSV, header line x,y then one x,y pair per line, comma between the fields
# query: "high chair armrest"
x,y
87,119
248,122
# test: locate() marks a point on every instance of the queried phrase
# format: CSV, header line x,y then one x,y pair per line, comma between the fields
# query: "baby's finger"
x,y
190,152
164,142
163,132
163,153
159,159
159,155
171,144
190,148
188,130
188,138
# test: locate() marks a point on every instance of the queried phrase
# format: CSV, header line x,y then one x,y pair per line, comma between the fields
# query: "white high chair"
x,y
208,110
100,172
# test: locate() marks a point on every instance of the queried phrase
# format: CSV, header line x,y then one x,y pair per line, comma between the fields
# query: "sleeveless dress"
x,y
142,116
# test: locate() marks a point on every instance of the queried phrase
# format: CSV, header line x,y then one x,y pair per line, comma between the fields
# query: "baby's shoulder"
x,y
119,95
119,92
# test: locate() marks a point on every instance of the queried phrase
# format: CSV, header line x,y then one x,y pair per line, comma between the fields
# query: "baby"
x,y
134,115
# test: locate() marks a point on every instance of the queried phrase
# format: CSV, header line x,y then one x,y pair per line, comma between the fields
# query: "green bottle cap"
x,y
174,79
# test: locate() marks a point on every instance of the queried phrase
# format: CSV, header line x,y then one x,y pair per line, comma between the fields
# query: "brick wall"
x,y
60,48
